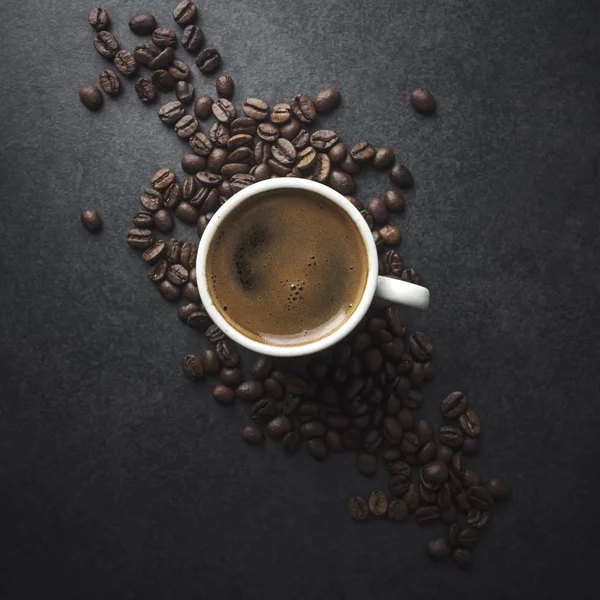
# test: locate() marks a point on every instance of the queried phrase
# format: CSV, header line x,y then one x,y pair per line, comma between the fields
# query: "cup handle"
x,y
402,292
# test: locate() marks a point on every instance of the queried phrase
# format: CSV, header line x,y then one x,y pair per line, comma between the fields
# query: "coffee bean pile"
x,y
360,396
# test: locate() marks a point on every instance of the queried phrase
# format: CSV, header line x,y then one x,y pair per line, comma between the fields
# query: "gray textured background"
x,y
121,479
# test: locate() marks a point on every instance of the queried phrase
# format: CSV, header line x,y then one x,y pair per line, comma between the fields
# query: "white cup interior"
x,y
280,184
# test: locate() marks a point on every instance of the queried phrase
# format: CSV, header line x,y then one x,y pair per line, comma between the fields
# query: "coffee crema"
x,y
287,267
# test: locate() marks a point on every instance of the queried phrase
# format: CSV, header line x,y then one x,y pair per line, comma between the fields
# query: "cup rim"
x,y
301,349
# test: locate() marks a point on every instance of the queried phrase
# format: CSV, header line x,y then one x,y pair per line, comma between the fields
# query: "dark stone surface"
x,y
120,478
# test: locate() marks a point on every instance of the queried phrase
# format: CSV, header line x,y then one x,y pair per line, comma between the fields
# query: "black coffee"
x,y
287,267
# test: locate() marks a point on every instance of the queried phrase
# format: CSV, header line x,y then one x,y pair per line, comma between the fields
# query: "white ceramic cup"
x,y
395,290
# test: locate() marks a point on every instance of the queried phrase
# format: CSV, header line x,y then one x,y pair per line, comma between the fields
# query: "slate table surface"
x,y
119,478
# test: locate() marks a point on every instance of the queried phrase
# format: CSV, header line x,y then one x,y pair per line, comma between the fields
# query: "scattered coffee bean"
x,y
303,108
469,421
185,13
338,153
462,557
91,97
162,179
401,176
125,62
478,518
192,367
145,53
342,182
281,113
184,91
168,291
423,101
208,60
163,37
450,436
109,82
171,112
219,134
378,503
91,220
394,200
192,38
98,19
179,71
438,548
291,442
186,126
358,508
427,514
397,510
139,238
200,144
256,109
158,271
278,427
228,355
499,489
253,435
363,152
317,449
192,163
327,100
454,405
106,45
142,24
144,88
378,210
223,394
390,234
163,59
384,158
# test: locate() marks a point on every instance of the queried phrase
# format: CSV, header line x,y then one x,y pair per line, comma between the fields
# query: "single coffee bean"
x,y
480,498
158,271
91,220
291,442
223,394
470,478
423,101
384,158
242,155
393,262
192,163
253,435
144,88
200,144
143,219
303,108
454,405
435,472
324,139
109,82
171,112
427,514
451,436
411,275
450,514
185,13
411,497
168,291
190,292
268,132
409,443
217,160
358,509
263,411
219,134
390,234
317,449
186,126
313,429
394,200
401,176
163,80
210,361
140,238
243,125
162,179
203,107
184,91
366,464
327,100
91,96
224,110
208,60
397,510
208,179
228,354
163,220
338,153
471,446
438,548
189,188
462,557
125,62
333,441
98,19
421,346
378,504
445,497
290,129
306,158
281,113
378,210
163,37
427,453
278,169
349,165
177,275
199,320
230,376
301,140
499,489
162,60
187,213
392,430
142,24
106,45
469,421
179,71
278,427
478,518
238,141
145,53
467,538
256,109
192,38
192,367
250,390
342,182
283,151
363,152
173,250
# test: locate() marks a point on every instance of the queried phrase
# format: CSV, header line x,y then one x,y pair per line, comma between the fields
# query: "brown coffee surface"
x,y
287,267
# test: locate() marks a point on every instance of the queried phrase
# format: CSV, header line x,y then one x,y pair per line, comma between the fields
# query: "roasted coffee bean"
x,y
411,497
366,464
327,100
140,238
409,443
125,62
417,375
169,291
268,132
427,453
444,499
467,538
451,436
242,155
454,405
470,478
358,509
471,446
164,221
478,518
373,360
208,60
217,159
401,176
98,18
158,271
143,219
324,139
372,441
303,108
378,504
91,220
469,421
284,152
179,71
189,188
224,110
413,400
301,140
239,141
384,158
438,548
312,429
378,210
163,37
186,126
349,165
263,411
423,101
109,82
253,435
363,152
199,320
192,367
278,169
145,90
210,361
462,557
163,59
223,394
190,292
397,510
499,489
177,275
145,53
453,533
351,438
411,276
256,109
427,514
91,96
185,13
333,441
187,213
203,107
394,200
163,80
421,346
173,250
273,388
281,113
278,427
290,405
229,357
192,163
106,45
250,390
392,263
291,442
290,129
229,170
192,38
200,144
162,179
338,153
449,515
398,468
435,472
219,134
480,498
317,449
171,112
342,182
214,335
208,179
142,24
243,125
356,203
184,91
390,234
392,430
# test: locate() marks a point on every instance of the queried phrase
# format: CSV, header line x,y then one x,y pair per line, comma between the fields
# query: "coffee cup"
x,y
242,268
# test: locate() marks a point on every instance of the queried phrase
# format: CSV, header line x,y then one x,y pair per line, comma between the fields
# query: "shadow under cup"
x,y
287,267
